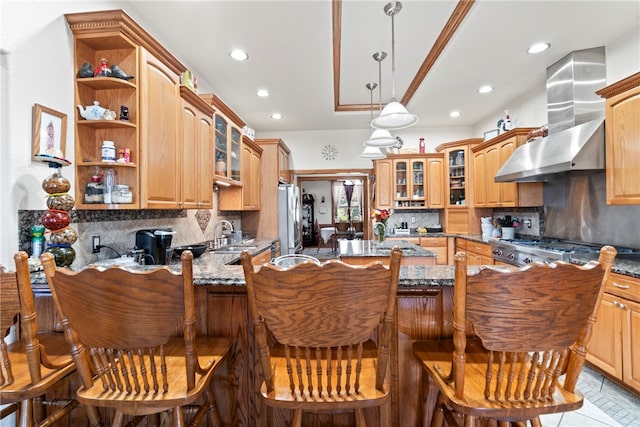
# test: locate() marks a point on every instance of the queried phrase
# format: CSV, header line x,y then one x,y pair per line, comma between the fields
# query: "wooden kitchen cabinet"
x,y
622,109
384,186
265,220
439,245
615,343
477,253
488,158
409,181
161,174
90,47
197,144
247,196
227,156
162,182
458,180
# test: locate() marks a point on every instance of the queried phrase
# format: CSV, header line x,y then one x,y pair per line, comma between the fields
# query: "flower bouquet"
x,y
380,217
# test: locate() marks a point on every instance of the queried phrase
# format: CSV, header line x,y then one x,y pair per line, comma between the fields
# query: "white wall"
x,y
37,62
306,147
530,110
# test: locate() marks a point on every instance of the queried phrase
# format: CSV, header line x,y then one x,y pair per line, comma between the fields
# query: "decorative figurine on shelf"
x,y
85,71
124,113
117,72
504,124
103,69
421,145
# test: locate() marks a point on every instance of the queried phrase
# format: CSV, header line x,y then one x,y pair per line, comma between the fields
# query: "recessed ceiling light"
x,y
276,116
538,47
262,93
454,114
239,55
485,89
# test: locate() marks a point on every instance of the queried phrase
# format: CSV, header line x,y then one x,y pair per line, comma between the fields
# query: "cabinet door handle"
x,y
618,285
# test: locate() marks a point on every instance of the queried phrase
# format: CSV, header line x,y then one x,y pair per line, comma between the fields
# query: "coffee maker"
x,y
155,244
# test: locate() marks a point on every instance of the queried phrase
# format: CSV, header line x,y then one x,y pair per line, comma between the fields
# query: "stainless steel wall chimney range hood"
x,y
576,122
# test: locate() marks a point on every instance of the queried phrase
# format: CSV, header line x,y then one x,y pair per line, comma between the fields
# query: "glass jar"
x,y
61,202
55,183
65,236
55,220
63,254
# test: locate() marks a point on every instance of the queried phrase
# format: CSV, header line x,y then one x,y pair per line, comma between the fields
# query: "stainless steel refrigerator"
x,y
289,218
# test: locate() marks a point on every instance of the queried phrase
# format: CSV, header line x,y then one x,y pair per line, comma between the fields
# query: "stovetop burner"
x,y
524,251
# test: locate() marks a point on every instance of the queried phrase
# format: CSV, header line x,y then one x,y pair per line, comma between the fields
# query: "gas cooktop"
x,y
525,251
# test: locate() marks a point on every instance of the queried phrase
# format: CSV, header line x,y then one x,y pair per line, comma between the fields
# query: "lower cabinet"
x,y
439,245
477,253
615,343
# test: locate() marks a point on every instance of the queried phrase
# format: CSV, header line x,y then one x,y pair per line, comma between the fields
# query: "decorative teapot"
x,y
96,112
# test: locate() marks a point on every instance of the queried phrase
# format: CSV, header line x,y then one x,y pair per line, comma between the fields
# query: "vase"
x,y
381,228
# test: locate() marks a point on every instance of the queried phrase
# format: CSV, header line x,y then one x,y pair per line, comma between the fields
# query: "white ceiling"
x,y
291,50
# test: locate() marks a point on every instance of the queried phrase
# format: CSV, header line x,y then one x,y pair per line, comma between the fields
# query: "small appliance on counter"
x,y
155,244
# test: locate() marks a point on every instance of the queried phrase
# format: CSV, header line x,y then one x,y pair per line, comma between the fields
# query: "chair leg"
x,y
94,416
213,415
178,417
437,419
296,420
535,422
360,419
26,413
118,420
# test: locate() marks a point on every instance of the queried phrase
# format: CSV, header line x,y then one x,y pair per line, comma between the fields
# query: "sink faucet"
x,y
224,224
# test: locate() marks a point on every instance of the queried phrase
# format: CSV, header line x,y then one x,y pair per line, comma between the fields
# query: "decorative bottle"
x,y
37,241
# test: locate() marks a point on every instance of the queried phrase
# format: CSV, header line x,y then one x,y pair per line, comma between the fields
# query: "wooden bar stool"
x,y
34,363
322,318
124,322
516,333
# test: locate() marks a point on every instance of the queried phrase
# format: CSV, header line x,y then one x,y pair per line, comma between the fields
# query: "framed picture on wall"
x,y
49,132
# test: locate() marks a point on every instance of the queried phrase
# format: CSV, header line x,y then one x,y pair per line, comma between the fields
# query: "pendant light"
x,y
394,115
379,137
371,152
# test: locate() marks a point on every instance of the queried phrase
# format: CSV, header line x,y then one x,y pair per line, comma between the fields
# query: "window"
x,y
340,201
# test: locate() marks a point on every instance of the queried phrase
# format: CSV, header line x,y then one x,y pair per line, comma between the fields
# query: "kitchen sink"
x,y
233,249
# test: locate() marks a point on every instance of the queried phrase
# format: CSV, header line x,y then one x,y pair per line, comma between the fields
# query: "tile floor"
x,y
606,404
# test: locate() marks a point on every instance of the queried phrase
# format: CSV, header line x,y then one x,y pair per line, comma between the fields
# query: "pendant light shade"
x,y
379,137
372,153
394,115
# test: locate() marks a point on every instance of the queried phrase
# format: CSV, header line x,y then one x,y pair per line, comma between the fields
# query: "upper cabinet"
x,y
246,197
488,158
227,142
110,93
167,133
409,181
197,146
622,109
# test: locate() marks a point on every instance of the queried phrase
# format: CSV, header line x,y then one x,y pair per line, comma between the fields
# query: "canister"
x,y
108,151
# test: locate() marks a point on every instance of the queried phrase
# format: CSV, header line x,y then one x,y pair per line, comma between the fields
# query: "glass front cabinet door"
x,y
409,184
221,158
457,181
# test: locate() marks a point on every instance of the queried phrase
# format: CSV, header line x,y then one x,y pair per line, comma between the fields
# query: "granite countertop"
x,y
372,248
223,270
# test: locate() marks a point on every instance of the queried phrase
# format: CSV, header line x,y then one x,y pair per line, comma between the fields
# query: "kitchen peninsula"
x,y
358,252
424,310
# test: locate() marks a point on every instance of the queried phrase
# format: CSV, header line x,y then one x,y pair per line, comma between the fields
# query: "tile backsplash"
x,y
117,228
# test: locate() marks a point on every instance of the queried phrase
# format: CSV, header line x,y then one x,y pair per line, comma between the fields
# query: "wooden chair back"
x,y
535,322
128,320
27,370
323,316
